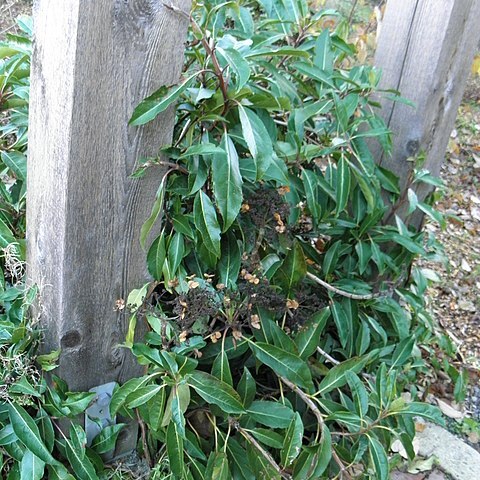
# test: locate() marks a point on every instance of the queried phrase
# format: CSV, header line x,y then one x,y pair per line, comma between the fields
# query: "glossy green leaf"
x,y
336,377
238,64
308,336
230,261
159,101
105,441
154,214
247,388
16,162
175,451
142,395
271,414
283,363
323,454
28,433
257,138
342,190
31,467
176,252
221,369
269,437
206,221
227,182
156,257
292,443
81,464
292,270
379,458
217,392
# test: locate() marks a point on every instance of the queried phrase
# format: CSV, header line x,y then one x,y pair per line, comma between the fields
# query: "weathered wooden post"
x,y
425,50
93,62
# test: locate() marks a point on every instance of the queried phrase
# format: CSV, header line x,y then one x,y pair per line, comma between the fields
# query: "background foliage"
x,y
282,330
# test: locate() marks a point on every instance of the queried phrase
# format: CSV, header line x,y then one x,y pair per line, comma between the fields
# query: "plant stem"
x,y
343,293
265,454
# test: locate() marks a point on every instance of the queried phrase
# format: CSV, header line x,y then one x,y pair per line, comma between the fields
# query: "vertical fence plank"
x,y
92,63
425,50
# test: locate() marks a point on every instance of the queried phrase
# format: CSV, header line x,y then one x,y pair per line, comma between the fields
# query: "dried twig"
x,y
264,453
146,451
306,399
343,293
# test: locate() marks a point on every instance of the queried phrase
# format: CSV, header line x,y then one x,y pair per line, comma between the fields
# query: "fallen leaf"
x,y
448,410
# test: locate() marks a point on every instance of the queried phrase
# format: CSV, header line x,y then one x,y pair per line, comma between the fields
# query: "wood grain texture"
x,y
425,50
93,62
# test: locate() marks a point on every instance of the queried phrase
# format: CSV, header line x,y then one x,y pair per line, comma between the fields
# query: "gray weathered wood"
x,y
93,62
425,50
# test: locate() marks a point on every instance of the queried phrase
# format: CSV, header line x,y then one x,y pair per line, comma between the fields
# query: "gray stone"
x,y
454,457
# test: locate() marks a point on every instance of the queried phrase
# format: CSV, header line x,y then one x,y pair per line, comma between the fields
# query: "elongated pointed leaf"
x,y
175,452
176,252
238,65
343,185
159,101
81,464
308,337
206,221
283,363
217,392
105,441
336,377
31,467
155,213
27,432
271,414
230,261
227,182
156,257
292,270
379,458
257,138
292,443
142,395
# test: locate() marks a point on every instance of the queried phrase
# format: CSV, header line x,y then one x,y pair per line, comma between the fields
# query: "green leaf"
x,y
142,395
6,235
81,464
247,387
430,412
227,182
293,441
283,363
337,377
292,270
342,190
257,138
360,395
175,452
271,414
217,467
230,261
155,407
31,467
7,435
268,437
159,101
379,458
27,432
155,213
221,368
315,73
156,257
120,394
402,352
59,472
176,252
323,455
217,392
205,219
323,52
238,65
105,441
310,185
308,336
16,162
